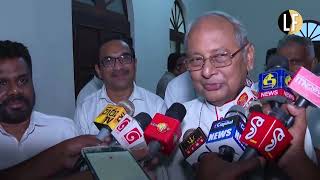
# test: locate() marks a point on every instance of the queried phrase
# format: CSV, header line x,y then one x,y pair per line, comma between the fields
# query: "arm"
x,y
212,167
296,152
51,161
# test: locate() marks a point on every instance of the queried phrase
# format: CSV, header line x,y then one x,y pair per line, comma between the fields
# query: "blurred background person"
x,y
175,67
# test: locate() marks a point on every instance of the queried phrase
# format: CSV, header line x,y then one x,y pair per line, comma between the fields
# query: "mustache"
x,y
119,72
15,98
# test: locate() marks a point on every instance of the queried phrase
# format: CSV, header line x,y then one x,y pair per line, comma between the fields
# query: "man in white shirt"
x,y
117,69
92,86
219,59
24,132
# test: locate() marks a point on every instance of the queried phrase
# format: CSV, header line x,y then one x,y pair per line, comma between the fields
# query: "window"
x,y
177,28
310,29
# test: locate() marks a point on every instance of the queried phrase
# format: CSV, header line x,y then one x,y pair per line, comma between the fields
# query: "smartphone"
x,y
114,163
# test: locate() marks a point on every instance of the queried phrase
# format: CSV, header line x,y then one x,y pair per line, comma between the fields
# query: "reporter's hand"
x,y
298,131
212,167
49,162
69,151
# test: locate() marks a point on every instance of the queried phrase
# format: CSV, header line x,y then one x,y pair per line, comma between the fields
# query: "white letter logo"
x,y
255,123
275,139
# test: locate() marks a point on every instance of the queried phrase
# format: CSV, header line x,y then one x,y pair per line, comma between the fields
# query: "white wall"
x,y
150,32
45,27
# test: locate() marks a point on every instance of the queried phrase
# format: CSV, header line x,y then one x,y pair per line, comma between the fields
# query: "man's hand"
x,y
212,167
51,161
69,151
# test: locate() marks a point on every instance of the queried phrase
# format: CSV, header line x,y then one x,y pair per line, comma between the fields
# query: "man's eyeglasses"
x,y
109,61
221,58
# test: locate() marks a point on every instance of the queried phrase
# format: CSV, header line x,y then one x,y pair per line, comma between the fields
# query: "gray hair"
x,y
304,41
240,30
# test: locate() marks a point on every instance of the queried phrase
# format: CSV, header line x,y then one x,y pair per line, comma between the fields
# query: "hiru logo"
x,y
220,134
278,136
256,122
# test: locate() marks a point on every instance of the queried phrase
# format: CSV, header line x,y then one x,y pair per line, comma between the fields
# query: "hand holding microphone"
x,y
211,166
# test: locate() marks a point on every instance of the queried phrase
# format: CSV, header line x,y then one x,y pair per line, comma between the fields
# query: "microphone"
x,y
193,145
307,85
110,117
265,134
273,84
164,131
129,131
224,135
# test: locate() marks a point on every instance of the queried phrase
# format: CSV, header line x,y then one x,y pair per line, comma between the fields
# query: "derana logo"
x,y
290,21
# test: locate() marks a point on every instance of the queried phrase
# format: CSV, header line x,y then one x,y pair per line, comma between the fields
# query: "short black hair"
x,y
10,49
172,61
119,37
270,52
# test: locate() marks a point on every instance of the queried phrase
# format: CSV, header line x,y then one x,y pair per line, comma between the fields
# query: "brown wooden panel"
x,y
91,26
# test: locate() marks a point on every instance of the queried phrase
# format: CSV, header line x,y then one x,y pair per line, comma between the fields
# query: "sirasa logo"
x,y
290,22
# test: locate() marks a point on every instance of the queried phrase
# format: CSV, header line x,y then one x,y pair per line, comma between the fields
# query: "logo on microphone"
x,y
123,124
223,123
132,135
256,122
278,136
161,127
243,99
290,22
270,80
287,80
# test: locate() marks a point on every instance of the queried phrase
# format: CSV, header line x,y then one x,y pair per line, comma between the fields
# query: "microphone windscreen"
x,y
255,106
237,110
176,111
143,119
187,133
128,106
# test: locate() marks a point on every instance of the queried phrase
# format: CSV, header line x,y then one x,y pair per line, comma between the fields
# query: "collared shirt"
x,y
201,114
92,106
91,87
43,132
163,83
180,89
143,100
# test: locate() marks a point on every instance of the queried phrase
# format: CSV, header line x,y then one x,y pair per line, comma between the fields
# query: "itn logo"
x,y
290,22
